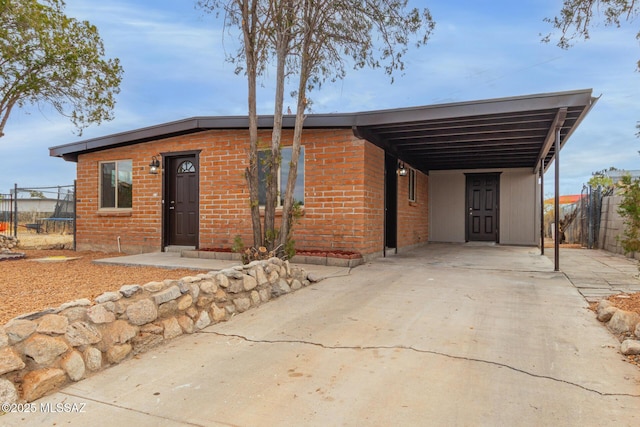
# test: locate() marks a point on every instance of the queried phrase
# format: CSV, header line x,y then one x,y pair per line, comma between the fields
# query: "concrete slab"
x,y
595,285
167,260
619,280
598,274
173,260
443,335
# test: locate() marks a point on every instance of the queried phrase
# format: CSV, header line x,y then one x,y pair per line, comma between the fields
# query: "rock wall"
x,y
8,242
39,352
624,324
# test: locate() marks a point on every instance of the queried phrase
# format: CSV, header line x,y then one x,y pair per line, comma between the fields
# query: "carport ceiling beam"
x,y
429,146
558,121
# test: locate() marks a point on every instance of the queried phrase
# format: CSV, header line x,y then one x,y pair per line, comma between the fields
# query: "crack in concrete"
x,y
113,405
338,274
418,350
489,269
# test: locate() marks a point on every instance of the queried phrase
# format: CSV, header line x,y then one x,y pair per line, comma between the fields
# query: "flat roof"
x,y
494,133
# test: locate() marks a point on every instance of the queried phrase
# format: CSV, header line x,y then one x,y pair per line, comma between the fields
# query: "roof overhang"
x,y
511,132
496,133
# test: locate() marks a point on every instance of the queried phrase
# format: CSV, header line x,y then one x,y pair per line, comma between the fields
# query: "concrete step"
x,y
179,249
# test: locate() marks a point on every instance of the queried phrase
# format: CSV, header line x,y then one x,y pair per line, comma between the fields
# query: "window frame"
x,y
412,186
116,172
301,167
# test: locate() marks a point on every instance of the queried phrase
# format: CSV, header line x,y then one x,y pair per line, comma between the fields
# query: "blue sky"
x,y
174,60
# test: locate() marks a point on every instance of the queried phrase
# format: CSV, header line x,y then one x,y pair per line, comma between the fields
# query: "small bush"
x,y
629,209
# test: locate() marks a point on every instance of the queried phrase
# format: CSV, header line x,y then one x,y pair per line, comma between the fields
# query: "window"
x,y
412,185
116,184
283,176
186,167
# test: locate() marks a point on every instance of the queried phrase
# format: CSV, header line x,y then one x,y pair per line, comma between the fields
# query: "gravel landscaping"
x,y
27,285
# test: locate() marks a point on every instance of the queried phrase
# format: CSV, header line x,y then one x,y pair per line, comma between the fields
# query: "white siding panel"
x,y
519,207
446,206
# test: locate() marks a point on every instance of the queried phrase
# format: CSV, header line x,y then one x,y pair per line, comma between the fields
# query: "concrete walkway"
x,y
446,335
598,274
174,260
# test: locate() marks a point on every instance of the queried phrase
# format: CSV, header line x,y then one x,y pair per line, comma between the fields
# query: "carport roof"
x,y
495,133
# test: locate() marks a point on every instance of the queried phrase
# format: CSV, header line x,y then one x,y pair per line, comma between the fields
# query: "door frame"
x,y
165,190
468,176
390,223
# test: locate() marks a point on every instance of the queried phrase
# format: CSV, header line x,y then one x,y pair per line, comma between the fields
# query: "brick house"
x,y
369,182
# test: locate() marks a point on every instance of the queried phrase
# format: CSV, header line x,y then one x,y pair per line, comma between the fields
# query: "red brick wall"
x,y
374,199
139,230
343,193
413,220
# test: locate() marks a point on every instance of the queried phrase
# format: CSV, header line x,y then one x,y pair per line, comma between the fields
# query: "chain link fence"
x,y
584,217
38,210
7,204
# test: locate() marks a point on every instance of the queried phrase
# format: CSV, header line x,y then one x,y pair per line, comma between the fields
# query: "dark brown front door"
x,y
181,203
482,207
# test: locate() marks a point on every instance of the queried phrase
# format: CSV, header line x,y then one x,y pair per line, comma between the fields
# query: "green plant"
x,y
629,209
51,58
238,244
289,246
270,236
601,178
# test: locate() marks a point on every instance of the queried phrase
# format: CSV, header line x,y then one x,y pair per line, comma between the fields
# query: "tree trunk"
x,y
251,173
270,235
287,203
5,116
283,38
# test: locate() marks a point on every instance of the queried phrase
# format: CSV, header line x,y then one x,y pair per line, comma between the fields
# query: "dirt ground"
x,y
27,285
32,240
632,303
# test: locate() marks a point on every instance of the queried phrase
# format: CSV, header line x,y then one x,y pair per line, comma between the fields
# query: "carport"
x,y
514,132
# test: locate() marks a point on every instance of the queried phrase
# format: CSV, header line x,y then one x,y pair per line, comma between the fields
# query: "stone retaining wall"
x,y
8,242
332,261
42,351
624,324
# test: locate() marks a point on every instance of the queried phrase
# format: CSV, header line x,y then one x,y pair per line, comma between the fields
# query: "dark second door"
x,y
482,207
391,202
181,203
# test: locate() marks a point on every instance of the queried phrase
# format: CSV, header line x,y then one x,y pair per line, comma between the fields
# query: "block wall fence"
x,y
612,227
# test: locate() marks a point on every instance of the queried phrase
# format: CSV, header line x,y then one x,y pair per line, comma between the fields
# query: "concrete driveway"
x,y
446,335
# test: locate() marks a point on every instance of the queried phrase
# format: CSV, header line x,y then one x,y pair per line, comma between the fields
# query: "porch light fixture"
x,y
154,166
402,171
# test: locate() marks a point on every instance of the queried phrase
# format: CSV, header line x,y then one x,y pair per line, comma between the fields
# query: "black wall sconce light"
x,y
402,171
154,166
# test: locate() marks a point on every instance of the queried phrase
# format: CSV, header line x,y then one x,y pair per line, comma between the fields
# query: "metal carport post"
x,y
556,202
541,206
553,140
